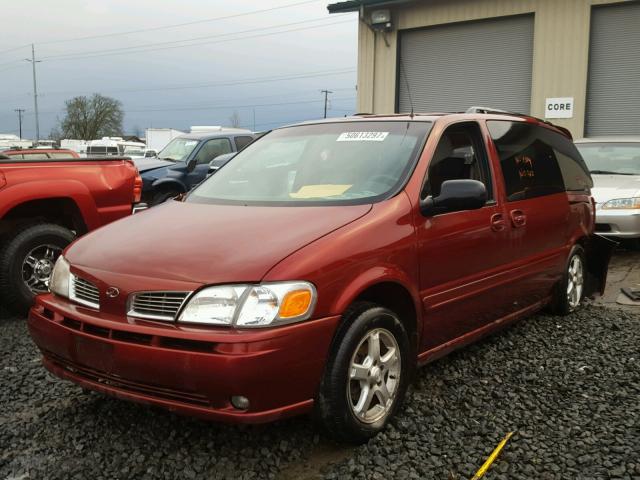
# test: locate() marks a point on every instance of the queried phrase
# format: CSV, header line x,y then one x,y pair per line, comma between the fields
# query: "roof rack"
x,y
477,109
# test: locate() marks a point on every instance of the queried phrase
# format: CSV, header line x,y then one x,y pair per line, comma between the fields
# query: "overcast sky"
x,y
161,82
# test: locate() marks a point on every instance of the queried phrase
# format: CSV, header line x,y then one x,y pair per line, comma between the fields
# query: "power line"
x,y
176,25
137,50
172,42
14,48
225,83
175,108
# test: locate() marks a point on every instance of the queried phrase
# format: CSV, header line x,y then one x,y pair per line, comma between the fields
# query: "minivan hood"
x,y
206,243
608,187
146,164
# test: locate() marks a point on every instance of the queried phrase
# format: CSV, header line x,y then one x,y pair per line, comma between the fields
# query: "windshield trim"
x,y
191,197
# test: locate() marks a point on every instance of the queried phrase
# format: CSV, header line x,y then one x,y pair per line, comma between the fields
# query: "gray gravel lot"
x,y
569,387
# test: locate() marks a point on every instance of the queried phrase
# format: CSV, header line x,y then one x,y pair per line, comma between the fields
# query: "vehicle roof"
x,y
610,138
433,117
225,132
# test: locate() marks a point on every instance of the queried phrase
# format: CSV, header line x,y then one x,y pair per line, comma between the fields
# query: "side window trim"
x,y
486,166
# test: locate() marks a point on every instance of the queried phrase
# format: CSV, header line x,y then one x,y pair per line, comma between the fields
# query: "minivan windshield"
x,y
178,149
621,158
327,163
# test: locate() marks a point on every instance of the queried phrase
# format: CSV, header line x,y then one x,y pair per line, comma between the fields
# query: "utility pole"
x,y
326,98
35,89
20,112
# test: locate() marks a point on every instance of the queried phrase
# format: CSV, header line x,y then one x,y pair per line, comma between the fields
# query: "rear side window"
x,y
243,141
529,165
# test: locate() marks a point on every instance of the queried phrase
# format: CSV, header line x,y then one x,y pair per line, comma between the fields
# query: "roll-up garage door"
x,y
613,90
452,67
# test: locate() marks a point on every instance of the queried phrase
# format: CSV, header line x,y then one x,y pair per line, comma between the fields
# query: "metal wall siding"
x,y
613,91
451,67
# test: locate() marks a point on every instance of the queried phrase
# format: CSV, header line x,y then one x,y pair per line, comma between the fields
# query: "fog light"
x,y
240,402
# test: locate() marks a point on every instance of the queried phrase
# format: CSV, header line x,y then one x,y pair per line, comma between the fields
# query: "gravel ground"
x,y
569,388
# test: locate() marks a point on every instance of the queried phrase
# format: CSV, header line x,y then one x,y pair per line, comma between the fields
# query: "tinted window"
x,y
96,150
242,142
460,155
213,148
529,165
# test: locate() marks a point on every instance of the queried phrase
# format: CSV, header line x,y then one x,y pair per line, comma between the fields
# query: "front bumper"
x,y
186,370
618,223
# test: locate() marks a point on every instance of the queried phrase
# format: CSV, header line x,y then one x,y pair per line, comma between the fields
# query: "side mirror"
x,y
213,167
455,196
191,165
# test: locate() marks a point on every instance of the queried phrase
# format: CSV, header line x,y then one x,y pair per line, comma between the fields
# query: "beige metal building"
x,y
576,62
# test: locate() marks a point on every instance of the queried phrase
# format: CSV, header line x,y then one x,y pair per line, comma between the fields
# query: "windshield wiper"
x,y
608,172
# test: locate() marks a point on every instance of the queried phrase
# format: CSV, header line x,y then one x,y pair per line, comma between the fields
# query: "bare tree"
x,y
234,119
88,118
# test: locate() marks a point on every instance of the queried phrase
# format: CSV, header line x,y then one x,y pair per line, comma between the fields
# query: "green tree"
x,y
89,118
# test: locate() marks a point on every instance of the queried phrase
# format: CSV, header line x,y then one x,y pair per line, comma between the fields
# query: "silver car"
x,y
614,163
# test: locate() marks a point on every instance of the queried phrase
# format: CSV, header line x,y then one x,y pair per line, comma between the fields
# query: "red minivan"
x,y
322,264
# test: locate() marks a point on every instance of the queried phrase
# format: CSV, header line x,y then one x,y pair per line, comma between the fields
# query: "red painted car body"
x,y
454,278
101,190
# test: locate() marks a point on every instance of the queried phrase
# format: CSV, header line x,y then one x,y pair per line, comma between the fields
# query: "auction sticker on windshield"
x,y
362,137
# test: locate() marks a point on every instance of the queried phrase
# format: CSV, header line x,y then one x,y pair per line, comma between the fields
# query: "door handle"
x,y
518,218
497,222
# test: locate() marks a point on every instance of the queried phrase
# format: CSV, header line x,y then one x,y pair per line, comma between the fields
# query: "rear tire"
x,y
569,293
364,385
27,257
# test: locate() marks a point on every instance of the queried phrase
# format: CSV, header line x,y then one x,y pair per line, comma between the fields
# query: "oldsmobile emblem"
x,y
112,292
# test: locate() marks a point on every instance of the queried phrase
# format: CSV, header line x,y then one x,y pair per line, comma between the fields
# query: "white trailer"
x,y
157,138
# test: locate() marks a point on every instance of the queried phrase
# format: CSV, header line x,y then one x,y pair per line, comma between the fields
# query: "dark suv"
x,y
184,162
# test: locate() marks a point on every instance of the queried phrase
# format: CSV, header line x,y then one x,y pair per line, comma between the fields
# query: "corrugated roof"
x,y
354,5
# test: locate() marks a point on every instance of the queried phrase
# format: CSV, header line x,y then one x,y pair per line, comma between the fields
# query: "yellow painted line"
x,y
485,466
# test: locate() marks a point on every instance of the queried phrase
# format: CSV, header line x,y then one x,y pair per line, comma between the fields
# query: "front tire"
x,y
163,196
367,374
26,262
570,291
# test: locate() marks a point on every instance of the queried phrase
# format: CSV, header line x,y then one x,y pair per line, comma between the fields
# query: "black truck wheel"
x,y
27,258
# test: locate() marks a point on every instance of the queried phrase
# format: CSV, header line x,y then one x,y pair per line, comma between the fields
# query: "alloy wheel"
x,y
37,267
374,376
575,284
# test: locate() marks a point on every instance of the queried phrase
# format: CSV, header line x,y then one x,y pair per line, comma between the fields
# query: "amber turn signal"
x,y
295,303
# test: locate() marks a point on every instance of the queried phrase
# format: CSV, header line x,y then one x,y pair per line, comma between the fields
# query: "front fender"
x,y
174,183
374,276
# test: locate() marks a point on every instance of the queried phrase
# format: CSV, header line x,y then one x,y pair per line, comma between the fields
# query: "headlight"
x,y
622,203
60,278
251,306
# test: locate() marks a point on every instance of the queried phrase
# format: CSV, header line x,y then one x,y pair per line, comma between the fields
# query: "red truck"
x,y
44,205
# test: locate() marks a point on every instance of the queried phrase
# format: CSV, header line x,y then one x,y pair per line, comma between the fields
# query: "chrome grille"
x,y
157,305
84,292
